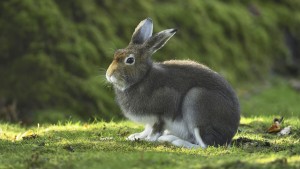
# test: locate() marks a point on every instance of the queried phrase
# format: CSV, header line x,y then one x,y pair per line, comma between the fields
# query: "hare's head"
x,y
132,63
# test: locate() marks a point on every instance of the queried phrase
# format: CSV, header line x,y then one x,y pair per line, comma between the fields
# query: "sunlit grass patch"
x,y
74,145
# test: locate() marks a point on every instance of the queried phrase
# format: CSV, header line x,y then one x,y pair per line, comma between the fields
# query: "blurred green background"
x,y
53,53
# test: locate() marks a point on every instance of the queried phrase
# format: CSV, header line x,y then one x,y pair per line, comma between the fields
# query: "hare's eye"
x,y
129,60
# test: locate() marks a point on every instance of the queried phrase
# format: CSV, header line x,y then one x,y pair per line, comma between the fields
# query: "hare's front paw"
x,y
136,136
141,136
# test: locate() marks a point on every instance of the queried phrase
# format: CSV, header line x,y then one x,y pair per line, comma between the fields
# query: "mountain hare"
x,y
179,101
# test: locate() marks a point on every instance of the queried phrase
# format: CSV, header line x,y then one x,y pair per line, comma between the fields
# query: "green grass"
x,y
103,145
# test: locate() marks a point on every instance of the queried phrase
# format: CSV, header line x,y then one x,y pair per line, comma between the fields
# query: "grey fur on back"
x,y
180,92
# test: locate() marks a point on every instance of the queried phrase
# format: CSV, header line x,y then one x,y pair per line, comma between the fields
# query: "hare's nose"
x,y
110,70
108,76
112,67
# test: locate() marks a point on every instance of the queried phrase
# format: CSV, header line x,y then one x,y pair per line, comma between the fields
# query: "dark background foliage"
x,y
53,53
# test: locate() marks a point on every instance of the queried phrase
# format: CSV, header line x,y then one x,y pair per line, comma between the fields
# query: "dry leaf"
x,y
274,128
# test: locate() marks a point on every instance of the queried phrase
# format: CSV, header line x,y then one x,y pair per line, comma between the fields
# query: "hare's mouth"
x,y
112,79
117,83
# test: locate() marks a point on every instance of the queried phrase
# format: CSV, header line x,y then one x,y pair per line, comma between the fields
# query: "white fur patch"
x,y
198,138
183,143
177,141
153,137
177,128
167,138
118,84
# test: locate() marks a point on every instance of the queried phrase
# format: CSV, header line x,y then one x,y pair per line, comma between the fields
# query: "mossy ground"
x,y
103,144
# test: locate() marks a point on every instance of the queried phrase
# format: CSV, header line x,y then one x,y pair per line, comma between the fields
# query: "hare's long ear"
x,y
142,32
158,40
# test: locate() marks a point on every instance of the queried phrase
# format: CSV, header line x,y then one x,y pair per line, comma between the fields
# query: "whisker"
x,y
114,46
111,50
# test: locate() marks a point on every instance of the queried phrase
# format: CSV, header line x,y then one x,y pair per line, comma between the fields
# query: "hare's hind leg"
x,y
209,115
195,113
176,141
